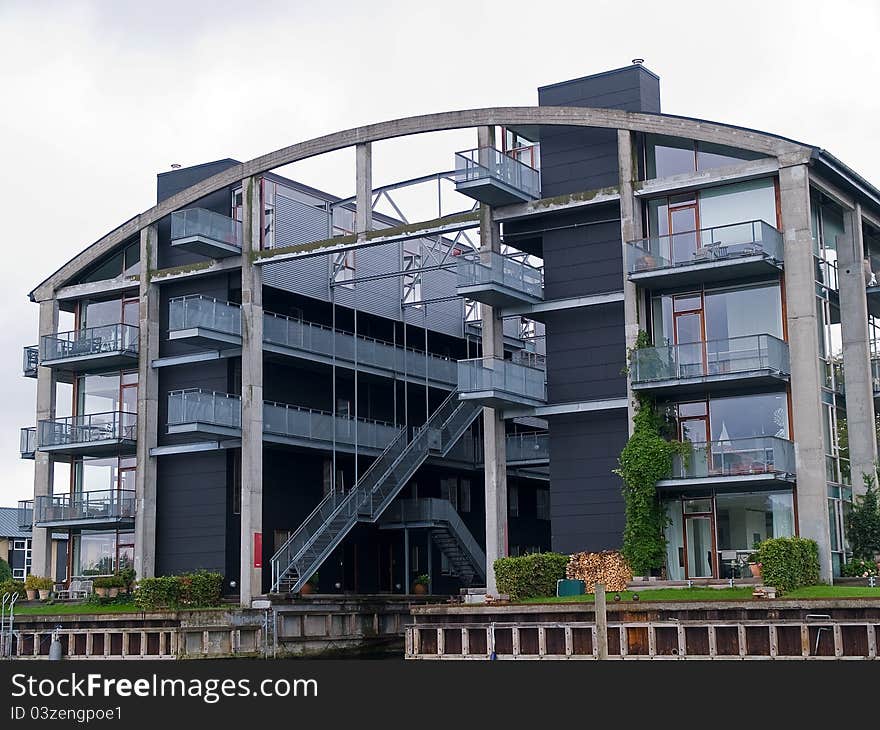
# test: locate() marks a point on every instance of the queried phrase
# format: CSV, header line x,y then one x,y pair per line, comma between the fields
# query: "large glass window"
x,y
106,393
101,475
745,416
747,519
102,553
665,156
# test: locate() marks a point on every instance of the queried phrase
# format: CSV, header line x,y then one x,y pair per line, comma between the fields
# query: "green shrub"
x,y
532,575
863,522
201,588
788,562
192,590
11,586
859,568
157,593
5,571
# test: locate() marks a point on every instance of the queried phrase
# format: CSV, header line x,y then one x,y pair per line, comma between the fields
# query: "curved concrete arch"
x,y
704,131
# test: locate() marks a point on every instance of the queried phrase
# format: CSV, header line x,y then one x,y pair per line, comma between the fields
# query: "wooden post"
x,y
601,621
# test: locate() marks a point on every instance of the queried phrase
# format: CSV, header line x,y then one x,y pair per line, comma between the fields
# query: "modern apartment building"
x,y
264,379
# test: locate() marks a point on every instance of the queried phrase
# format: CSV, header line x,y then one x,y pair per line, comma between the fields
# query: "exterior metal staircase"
x,y
448,532
323,530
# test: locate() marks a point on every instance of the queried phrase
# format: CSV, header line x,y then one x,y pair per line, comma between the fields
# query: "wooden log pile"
x,y
607,567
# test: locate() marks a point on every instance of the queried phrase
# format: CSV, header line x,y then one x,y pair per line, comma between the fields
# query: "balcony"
x,y
500,383
25,514
713,366
497,280
28,442
95,434
111,346
494,178
30,361
759,461
205,233
105,508
709,255
528,449
213,323
204,413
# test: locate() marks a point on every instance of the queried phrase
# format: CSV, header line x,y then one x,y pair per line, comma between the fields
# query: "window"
x,y
513,501
464,496
415,559
666,156
343,268
125,260
267,231
102,553
18,574
542,503
472,312
237,204
412,277
19,544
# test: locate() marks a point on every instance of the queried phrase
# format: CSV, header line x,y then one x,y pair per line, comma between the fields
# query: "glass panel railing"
x,y
25,514
30,360
488,163
109,504
206,312
195,405
528,446
90,428
205,223
875,373
745,354
287,420
28,440
490,267
316,338
107,339
502,376
753,238
736,457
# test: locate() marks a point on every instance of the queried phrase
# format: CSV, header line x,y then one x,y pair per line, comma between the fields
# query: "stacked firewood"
x,y
607,567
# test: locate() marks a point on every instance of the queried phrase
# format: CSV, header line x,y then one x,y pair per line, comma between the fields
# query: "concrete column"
x,y
364,189
251,396
494,443
41,538
148,409
806,375
856,350
630,230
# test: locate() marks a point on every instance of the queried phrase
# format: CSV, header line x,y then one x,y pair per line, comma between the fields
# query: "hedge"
x,y
532,575
191,590
5,571
789,562
12,586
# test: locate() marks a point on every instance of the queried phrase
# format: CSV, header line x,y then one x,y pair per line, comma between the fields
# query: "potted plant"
x,y
102,585
310,586
115,584
127,576
420,585
44,587
754,565
32,586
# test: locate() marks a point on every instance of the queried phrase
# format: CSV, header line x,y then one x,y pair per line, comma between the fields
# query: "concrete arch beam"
x,y
788,151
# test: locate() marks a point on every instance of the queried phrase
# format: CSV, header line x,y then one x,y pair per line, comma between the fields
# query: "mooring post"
x,y
601,621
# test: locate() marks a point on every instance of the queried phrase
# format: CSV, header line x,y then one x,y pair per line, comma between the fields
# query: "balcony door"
x,y
690,335
683,228
699,537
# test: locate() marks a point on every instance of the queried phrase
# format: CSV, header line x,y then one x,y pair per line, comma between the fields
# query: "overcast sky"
x,y
97,97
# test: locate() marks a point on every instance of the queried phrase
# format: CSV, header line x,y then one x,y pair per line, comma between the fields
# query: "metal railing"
x,y
311,337
752,238
106,504
25,514
875,373
533,446
490,267
90,428
30,360
107,339
745,354
736,457
197,310
488,163
195,405
287,420
205,223
28,440
501,376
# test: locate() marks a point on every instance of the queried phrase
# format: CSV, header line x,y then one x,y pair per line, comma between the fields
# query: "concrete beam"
x,y
364,188
96,288
861,429
556,305
709,178
148,410
195,270
806,375
570,201
41,537
251,577
704,131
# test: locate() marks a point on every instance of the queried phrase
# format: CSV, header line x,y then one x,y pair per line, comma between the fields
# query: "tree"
x,y
863,521
5,571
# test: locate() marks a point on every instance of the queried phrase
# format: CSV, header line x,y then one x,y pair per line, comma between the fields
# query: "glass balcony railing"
x,y
769,455
722,243
28,442
93,428
201,223
195,405
110,505
292,421
112,340
737,355
198,311
526,447
25,514
489,268
490,164
501,380
30,360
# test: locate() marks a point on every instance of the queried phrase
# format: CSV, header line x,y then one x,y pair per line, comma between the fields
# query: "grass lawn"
x,y
69,609
717,594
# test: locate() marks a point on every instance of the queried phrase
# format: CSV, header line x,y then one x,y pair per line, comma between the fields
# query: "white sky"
x,y
97,97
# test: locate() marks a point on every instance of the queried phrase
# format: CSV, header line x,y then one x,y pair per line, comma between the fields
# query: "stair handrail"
x,y
450,515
